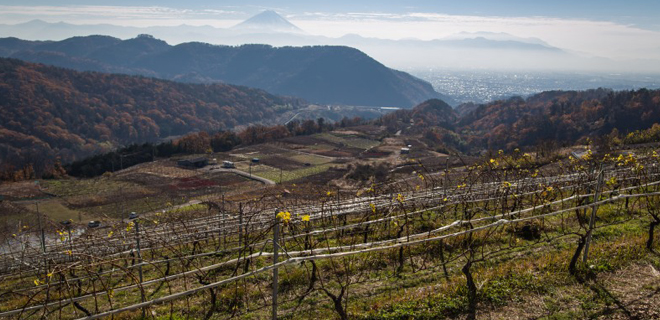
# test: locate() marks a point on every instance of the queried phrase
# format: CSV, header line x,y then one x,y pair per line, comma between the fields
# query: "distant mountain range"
x,y
319,74
462,50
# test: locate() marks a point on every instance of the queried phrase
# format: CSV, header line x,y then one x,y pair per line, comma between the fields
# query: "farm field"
x,y
275,174
152,186
350,246
57,211
300,157
494,238
350,140
146,188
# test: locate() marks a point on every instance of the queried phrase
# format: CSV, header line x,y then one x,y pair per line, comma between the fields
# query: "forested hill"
x,y
558,117
319,74
47,111
561,117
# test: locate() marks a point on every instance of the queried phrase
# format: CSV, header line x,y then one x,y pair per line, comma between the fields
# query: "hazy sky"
x,y
614,29
632,11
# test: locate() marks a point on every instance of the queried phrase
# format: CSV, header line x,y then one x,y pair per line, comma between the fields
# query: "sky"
x,y
641,13
603,28
590,9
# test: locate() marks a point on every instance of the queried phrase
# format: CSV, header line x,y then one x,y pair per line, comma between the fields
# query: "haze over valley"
x,y
483,85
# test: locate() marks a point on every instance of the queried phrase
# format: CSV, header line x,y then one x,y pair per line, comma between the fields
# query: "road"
x,y
218,168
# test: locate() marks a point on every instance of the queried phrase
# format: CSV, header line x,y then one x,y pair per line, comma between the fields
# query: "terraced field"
x,y
434,245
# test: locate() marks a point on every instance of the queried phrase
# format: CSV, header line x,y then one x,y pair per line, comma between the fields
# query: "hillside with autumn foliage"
x,y
48,112
557,117
50,115
563,117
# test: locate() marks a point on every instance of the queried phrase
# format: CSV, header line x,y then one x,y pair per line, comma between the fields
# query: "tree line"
x,y
201,142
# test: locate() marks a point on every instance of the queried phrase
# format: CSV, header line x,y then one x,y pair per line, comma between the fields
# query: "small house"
x,y
193,163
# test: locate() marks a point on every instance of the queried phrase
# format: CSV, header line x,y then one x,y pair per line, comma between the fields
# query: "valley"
x,y
339,160
483,86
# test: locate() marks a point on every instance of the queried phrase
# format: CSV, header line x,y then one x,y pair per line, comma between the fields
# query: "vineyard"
x,y
346,253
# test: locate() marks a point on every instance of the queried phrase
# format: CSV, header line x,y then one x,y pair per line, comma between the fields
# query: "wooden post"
x,y
224,222
68,228
43,241
137,243
240,224
592,220
445,186
41,228
121,203
276,236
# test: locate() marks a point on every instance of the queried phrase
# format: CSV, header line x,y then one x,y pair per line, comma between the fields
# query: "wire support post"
x,y
592,219
276,236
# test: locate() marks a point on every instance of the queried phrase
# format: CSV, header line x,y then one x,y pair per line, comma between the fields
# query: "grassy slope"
x,y
530,281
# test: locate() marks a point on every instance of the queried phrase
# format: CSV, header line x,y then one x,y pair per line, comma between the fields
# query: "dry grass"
x,y
20,190
632,292
56,211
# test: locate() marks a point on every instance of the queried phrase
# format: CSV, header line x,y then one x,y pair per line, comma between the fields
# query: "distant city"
x,y
482,86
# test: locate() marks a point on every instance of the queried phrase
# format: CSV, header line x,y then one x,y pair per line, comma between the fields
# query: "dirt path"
x,y
310,154
238,172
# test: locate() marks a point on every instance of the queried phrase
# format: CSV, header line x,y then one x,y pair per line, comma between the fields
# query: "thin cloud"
x,y
597,38
120,12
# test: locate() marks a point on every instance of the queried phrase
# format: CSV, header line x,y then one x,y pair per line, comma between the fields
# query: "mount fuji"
x,y
267,22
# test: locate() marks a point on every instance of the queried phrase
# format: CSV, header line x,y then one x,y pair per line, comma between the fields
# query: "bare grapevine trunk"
x,y
472,291
652,225
576,255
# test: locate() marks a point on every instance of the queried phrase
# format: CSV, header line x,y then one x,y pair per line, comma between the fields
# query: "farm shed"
x,y
193,163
